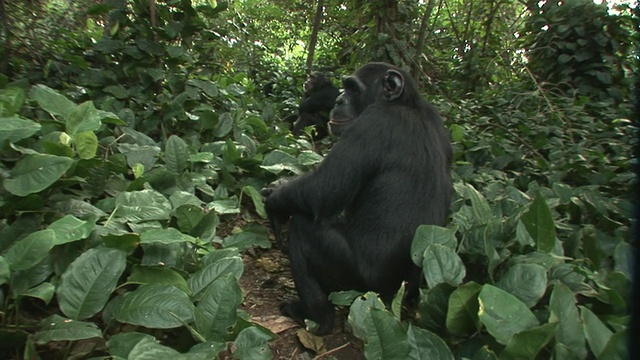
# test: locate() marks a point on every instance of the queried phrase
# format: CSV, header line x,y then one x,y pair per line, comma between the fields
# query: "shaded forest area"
x,y
135,136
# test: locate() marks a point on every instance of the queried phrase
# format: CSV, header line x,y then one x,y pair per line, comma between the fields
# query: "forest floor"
x,y
266,282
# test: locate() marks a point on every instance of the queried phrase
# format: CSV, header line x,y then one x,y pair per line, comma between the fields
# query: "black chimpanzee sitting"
x,y
319,98
353,218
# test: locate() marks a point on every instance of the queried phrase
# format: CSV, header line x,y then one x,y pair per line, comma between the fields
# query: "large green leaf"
x,y
165,236
205,276
11,100
176,154
360,311
442,265
596,332
83,118
527,344
52,102
563,310
528,282
4,270
539,223
31,250
16,128
428,235
216,312
157,275
35,173
87,284
69,228
426,345
86,144
57,328
462,316
145,205
503,314
155,306
252,343
386,337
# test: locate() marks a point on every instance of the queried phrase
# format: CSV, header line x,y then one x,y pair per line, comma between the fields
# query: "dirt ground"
x,y
266,282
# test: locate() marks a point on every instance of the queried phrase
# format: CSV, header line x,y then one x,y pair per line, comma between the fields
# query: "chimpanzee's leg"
x,y
321,262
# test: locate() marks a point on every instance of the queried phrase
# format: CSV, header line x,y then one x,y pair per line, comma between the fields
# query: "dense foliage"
x,y
134,139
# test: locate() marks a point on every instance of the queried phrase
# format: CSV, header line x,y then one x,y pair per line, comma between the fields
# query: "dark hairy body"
x,y
352,219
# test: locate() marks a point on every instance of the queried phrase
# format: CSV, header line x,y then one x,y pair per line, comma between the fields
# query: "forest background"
x,y
135,136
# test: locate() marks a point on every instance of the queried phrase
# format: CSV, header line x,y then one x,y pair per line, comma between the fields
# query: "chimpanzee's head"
x,y
315,81
374,82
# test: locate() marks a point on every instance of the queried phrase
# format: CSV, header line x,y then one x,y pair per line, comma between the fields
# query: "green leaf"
x,y
257,200
462,316
42,291
27,252
83,118
86,144
563,310
428,235
539,223
527,344
442,265
246,239
165,236
528,282
216,312
480,206
87,284
69,229
252,343
16,128
11,100
617,347
52,102
201,279
596,332
503,314
224,126
58,328
157,275
426,345
176,154
360,311
145,205
155,306
188,216
386,337
35,173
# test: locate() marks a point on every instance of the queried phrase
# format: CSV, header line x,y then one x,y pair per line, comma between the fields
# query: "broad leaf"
x,y
386,337
570,334
157,275
16,128
442,265
29,251
539,223
217,310
425,345
205,276
87,284
527,344
428,235
596,332
252,343
165,236
55,104
145,205
503,314
35,173
462,316
57,328
69,228
176,154
155,306
528,282
86,144
83,118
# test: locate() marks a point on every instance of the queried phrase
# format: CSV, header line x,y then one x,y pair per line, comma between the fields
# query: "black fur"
x,y
352,219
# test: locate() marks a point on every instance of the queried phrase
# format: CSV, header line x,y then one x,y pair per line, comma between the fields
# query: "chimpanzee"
x,y
319,98
353,218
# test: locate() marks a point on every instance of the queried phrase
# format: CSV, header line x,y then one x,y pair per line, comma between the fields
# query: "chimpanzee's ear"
x,y
393,85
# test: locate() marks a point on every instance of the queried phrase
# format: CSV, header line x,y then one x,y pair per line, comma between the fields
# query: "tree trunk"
x,y
314,35
422,35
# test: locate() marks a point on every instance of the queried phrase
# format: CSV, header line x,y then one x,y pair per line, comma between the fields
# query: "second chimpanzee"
x,y
353,218
319,98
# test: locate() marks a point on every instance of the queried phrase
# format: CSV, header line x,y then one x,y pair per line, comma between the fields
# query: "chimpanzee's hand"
x,y
277,217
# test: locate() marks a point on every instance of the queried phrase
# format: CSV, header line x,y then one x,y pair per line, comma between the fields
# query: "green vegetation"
x,y
135,136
